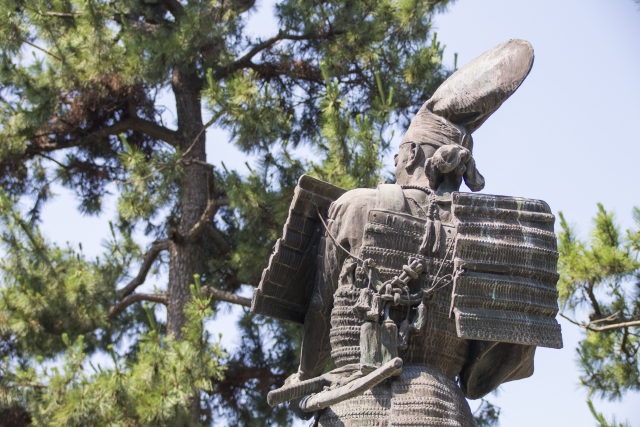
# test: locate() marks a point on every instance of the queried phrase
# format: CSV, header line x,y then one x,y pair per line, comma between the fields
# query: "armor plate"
x,y
287,282
505,258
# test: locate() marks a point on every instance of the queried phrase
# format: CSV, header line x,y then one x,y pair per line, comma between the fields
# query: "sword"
x,y
315,395
321,400
296,390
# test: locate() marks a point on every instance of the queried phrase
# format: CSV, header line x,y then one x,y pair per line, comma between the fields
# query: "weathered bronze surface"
x,y
422,295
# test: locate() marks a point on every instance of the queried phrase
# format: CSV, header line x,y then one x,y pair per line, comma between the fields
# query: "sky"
x,y
568,136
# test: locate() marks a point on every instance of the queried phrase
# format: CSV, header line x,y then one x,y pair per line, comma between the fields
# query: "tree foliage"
x,y
80,82
603,278
601,419
151,386
487,414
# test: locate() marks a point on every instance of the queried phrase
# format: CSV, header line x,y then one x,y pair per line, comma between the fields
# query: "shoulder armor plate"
x,y
287,282
505,270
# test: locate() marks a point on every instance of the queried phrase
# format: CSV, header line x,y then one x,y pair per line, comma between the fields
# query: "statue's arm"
x,y
316,347
345,223
493,363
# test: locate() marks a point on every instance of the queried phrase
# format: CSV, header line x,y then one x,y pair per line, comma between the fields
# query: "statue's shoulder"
x,y
355,197
360,200
349,211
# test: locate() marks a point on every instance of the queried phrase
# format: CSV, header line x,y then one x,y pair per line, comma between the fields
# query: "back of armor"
x,y
426,392
392,238
499,253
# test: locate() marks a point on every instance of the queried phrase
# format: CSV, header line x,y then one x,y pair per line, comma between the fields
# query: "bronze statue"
x,y
422,295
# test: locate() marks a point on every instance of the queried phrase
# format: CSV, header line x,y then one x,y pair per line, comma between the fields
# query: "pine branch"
x,y
245,60
611,318
623,343
570,320
62,14
134,298
134,22
613,326
154,130
53,55
182,160
224,296
55,14
594,301
210,211
138,124
57,144
298,70
151,255
214,203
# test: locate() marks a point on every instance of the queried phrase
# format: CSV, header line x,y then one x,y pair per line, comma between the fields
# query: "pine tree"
x,y
79,81
603,277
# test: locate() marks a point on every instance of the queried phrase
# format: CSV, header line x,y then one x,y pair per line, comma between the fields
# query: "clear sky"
x,y
568,136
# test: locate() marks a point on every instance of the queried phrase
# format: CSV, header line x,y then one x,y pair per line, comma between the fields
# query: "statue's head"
x,y
437,153
437,148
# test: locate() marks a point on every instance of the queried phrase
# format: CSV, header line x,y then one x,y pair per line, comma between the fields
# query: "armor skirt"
x,y
419,397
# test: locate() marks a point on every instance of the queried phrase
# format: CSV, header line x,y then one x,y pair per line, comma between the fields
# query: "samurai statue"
x,y
422,295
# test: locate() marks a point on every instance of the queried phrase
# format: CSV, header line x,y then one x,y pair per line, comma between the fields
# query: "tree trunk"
x,y
186,258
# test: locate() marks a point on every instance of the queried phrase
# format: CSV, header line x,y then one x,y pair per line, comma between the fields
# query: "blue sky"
x,y
568,136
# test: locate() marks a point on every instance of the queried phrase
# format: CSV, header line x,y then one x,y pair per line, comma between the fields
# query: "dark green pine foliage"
x,y
82,343
602,277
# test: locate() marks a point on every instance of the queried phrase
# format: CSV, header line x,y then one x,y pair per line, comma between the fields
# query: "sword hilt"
x,y
296,390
